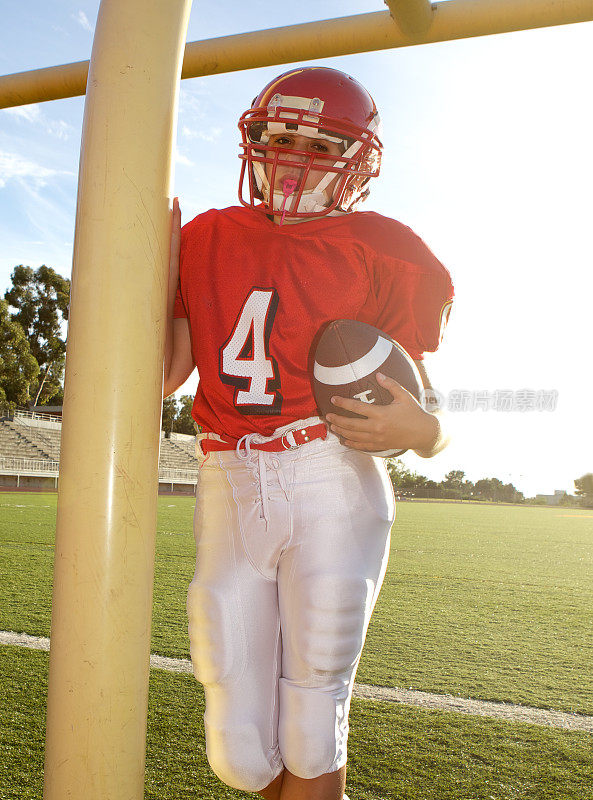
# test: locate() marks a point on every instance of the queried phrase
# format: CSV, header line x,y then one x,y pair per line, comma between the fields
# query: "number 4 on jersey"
x,y
245,361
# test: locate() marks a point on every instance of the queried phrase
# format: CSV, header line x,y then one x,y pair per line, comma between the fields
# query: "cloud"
x,y
210,135
33,114
59,128
30,113
190,93
181,159
15,167
83,21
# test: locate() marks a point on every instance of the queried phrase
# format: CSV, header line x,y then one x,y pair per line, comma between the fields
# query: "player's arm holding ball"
x,y
179,362
403,424
414,304
443,436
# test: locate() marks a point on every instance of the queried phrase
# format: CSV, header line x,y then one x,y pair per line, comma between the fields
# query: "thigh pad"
x,y
334,611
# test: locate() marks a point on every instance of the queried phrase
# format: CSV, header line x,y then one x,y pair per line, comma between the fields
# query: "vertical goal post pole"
x,y
413,17
106,522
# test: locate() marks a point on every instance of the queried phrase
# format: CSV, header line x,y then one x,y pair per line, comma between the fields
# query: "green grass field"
x,y
486,602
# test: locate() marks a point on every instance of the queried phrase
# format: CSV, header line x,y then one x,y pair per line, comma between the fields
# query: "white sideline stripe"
x,y
436,702
481,708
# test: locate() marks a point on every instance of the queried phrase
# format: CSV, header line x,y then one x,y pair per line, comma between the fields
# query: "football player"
x,y
293,519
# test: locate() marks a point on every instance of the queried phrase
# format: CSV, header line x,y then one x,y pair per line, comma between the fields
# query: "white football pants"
x,y
292,549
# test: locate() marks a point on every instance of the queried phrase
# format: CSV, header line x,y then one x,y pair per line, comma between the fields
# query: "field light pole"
x,y
104,561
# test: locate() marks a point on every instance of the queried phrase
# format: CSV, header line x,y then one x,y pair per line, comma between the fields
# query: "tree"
x,y
184,422
40,299
169,413
467,491
452,484
511,495
18,367
396,471
177,416
497,491
483,489
584,489
404,481
454,479
430,489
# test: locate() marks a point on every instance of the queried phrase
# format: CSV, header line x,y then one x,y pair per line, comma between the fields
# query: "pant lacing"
x,y
256,464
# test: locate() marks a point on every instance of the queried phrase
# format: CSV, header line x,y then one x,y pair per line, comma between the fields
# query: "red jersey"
x,y
256,295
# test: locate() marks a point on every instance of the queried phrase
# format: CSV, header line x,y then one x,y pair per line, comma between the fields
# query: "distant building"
x,y
43,411
551,499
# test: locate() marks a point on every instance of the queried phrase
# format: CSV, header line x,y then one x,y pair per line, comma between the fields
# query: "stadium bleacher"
x,y
30,455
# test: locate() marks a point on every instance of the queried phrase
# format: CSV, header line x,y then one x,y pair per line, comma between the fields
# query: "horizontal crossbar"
x,y
455,19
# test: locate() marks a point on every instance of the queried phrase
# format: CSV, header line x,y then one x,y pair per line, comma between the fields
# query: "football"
x,y
347,358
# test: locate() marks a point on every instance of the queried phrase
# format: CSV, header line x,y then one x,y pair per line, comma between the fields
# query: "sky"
x,y
487,157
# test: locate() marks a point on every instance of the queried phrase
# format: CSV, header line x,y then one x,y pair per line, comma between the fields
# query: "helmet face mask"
x,y
330,107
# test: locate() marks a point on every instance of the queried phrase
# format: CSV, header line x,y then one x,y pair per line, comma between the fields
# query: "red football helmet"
x,y
318,103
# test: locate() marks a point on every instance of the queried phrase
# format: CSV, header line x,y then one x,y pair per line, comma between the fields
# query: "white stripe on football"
x,y
366,365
